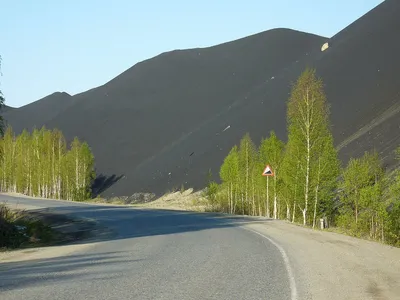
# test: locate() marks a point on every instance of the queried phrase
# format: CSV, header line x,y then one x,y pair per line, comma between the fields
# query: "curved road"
x,y
153,254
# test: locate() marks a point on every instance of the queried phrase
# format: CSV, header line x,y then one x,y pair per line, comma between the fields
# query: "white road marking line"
x,y
292,282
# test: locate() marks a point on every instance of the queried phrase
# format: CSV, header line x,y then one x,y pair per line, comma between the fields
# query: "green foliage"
x,y
358,178
363,198
243,189
39,164
1,107
310,160
308,182
16,229
271,153
394,223
397,153
211,193
229,174
10,236
393,194
325,184
247,164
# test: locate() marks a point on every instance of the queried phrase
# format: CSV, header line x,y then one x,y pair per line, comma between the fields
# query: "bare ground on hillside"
x,y
180,200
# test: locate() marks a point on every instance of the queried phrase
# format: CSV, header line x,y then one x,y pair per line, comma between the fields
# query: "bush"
x,y
17,229
10,235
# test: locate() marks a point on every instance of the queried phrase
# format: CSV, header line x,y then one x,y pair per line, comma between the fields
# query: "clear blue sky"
x,y
75,45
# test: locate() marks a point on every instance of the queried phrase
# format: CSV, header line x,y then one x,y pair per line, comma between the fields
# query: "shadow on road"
x,y
108,222
17,275
113,223
119,222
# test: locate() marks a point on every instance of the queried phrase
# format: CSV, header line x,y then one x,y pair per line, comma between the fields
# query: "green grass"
x,y
20,230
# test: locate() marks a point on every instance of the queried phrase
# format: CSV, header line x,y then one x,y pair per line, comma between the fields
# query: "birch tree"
x,y
307,118
327,171
8,161
292,185
87,170
247,153
271,152
39,164
363,210
394,206
2,100
229,174
22,165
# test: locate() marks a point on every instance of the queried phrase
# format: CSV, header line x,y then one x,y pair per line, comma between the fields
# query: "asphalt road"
x,y
153,254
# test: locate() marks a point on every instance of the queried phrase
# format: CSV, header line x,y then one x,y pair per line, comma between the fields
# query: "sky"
x,y
75,45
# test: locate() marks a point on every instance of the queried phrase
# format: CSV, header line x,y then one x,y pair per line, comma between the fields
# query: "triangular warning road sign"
x,y
267,171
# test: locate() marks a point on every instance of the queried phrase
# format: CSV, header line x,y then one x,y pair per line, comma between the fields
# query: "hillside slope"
x,y
37,113
6,108
161,123
145,123
361,74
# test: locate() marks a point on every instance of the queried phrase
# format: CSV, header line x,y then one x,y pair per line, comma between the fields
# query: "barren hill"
x,y
161,123
37,113
6,108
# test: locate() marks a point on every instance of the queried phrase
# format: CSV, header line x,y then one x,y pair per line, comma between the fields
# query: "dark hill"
x,y
146,122
6,108
160,123
360,70
37,113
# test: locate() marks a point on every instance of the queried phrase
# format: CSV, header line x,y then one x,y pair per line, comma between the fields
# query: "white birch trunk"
x,y
287,211
315,206
275,197
247,174
294,211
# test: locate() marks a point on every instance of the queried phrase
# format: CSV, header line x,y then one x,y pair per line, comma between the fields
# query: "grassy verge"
x,y
18,229
21,229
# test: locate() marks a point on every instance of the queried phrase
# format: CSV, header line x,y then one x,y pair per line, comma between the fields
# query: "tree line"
x,y
1,107
308,181
39,164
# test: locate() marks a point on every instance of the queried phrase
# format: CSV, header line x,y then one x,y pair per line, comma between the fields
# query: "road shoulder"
x,y
71,234
332,266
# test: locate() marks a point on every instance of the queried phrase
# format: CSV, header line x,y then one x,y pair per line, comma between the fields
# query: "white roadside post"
x,y
322,223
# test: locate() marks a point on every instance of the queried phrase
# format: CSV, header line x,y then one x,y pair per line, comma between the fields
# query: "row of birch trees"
x,y
2,100
308,181
39,164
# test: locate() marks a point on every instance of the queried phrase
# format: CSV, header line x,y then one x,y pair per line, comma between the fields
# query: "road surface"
x,y
153,254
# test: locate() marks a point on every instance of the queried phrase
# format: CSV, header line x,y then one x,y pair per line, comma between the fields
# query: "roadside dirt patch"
x,y
180,200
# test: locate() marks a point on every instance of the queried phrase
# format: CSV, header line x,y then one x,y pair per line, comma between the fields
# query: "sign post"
x,y
267,172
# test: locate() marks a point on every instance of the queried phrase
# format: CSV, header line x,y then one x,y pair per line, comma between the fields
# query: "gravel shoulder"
x,y
332,266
